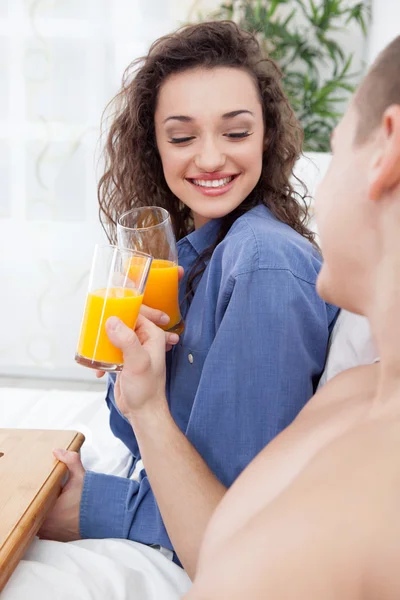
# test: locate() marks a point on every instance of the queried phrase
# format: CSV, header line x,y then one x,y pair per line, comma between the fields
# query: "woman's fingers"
x,y
171,339
71,459
154,315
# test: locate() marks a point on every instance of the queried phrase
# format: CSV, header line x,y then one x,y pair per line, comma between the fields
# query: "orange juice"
x,y
123,303
162,289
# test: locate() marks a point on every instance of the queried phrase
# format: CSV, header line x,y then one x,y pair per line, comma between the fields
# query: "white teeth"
x,y
214,183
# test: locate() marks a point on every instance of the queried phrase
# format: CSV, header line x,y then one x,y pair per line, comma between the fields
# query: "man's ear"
x,y
384,170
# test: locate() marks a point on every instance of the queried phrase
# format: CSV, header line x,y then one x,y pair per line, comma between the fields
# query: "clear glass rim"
x,y
132,210
123,249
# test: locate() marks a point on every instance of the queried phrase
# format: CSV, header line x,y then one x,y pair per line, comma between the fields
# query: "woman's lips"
x,y
213,184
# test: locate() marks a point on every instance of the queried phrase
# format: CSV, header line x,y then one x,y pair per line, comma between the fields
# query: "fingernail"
x,y
113,323
164,320
173,338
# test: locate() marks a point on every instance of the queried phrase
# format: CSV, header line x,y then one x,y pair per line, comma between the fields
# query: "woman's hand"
x,y
62,522
141,383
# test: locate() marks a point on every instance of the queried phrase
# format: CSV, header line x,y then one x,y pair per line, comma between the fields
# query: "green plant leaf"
x,y
289,19
361,13
300,36
271,10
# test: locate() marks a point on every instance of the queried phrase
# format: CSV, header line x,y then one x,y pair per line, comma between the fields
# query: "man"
x,y
316,515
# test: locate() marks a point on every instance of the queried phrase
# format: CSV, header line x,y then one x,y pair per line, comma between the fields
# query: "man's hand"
x,y
158,318
141,383
62,522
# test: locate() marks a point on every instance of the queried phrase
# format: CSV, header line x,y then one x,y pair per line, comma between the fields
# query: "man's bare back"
x,y
336,408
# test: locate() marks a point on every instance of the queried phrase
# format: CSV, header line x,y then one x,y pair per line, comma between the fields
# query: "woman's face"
x,y
210,135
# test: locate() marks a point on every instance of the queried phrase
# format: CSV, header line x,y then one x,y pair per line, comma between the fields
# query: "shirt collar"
x,y
202,238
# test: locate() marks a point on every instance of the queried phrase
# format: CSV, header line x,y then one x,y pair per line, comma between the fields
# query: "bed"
x,y
119,569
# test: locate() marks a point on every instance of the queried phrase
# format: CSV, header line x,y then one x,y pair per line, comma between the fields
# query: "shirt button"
x,y
190,358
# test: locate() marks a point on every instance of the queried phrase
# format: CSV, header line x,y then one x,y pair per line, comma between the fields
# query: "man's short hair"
x,y
379,90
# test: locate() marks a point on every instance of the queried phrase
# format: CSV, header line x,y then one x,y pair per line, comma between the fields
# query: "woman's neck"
x,y
199,220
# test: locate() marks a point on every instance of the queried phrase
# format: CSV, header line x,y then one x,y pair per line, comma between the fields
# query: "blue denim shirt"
x,y
251,356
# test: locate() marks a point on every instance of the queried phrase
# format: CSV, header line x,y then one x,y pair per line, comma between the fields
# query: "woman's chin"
x,y
215,209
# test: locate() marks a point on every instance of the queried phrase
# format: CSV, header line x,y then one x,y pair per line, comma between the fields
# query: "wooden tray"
x,y
30,482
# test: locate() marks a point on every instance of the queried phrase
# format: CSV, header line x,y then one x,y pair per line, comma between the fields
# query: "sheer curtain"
x,y
60,63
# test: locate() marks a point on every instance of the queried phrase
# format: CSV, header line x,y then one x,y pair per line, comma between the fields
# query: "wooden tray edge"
x,y
29,521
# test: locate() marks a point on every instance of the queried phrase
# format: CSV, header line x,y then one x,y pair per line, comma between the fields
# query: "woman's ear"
x,y
384,171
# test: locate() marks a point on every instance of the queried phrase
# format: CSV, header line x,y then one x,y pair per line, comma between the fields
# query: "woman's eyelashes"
x,y
232,136
181,140
238,136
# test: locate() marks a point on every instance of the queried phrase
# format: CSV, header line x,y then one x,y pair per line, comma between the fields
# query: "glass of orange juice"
x,y
115,290
149,229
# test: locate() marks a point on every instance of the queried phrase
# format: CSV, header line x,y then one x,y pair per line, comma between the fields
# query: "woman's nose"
x,y
210,158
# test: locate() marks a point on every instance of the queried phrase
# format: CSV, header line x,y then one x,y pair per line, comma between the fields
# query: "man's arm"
x,y
243,398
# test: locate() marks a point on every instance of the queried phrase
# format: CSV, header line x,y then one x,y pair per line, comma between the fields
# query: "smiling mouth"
x,y
213,183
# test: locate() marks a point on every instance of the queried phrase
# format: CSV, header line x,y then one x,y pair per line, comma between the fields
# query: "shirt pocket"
x,y
187,367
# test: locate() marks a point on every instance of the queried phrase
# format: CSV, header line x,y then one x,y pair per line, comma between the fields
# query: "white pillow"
x,y
350,345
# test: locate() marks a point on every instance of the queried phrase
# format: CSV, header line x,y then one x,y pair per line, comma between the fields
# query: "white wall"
x,y
385,25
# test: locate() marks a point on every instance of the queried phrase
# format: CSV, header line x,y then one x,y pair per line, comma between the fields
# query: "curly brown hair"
x,y
134,175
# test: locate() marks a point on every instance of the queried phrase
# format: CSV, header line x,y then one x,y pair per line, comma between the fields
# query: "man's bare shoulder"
x,y
355,382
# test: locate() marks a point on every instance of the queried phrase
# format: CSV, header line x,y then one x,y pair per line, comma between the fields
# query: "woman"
x,y
205,131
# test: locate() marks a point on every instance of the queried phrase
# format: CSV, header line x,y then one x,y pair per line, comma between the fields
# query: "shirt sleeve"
x,y
263,366
116,507
110,505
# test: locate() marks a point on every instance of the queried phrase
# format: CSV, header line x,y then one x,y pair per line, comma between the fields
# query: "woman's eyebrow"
x,y
235,113
228,115
181,118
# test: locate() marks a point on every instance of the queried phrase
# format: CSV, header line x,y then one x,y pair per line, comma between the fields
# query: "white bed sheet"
x,y
95,570
84,411
87,569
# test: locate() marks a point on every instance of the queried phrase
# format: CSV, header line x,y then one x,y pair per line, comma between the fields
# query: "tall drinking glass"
x,y
115,290
149,230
